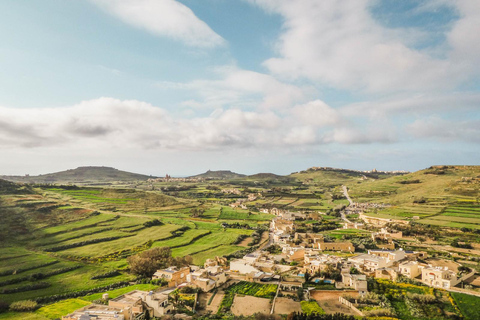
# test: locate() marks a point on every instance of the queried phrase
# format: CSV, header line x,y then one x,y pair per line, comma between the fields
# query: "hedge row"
x,y
28,287
81,243
108,274
38,276
16,271
76,294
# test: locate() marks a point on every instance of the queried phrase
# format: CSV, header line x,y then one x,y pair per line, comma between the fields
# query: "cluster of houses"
x,y
157,304
126,307
301,254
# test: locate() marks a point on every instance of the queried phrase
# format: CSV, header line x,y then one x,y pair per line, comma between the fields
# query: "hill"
x,y
447,196
326,176
219,175
265,176
85,175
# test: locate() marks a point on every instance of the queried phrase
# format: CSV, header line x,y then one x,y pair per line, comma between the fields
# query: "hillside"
x,y
325,176
81,175
440,195
219,175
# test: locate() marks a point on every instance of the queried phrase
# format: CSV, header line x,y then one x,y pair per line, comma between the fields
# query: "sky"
x,y
183,86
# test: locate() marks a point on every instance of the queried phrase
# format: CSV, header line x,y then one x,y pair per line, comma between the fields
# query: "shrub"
x,y
25,305
108,274
3,306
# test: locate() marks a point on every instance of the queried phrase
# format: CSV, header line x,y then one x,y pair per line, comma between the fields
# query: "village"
x,y
292,270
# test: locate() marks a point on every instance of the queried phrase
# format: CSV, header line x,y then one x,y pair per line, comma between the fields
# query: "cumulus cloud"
x,y
168,18
316,113
107,123
339,43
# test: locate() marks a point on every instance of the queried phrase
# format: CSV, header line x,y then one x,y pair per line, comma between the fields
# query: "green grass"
x,y
310,307
199,258
185,239
469,305
212,240
103,248
62,308
90,221
22,316
75,280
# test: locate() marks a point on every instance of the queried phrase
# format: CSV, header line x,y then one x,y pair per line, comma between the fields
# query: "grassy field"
x,y
309,307
469,305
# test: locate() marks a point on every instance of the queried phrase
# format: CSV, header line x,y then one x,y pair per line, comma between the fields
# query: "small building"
x,y
410,269
137,302
355,281
386,273
242,266
173,275
336,246
439,277
207,279
97,312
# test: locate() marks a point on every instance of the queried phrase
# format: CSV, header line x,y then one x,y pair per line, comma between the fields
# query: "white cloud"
x,y
167,18
316,113
338,43
419,104
107,123
240,88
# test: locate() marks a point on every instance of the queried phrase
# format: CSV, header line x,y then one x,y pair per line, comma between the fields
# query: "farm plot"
x,y
200,257
213,240
143,236
249,305
90,221
286,306
231,214
185,239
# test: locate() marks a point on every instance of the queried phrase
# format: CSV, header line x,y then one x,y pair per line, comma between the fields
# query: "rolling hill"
x,y
81,175
219,175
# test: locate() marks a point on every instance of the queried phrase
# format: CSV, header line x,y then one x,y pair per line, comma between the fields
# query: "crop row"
x,y
19,270
38,276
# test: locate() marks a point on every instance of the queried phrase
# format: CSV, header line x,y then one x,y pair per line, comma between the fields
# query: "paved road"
x,y
342,213
345,192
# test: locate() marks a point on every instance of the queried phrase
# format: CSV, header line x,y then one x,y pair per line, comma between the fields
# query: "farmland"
x,y
56,240
76,233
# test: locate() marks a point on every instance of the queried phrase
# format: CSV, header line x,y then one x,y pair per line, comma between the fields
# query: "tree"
x,y
147,262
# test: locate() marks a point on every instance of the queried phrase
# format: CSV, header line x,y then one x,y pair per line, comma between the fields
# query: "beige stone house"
x,y
173,275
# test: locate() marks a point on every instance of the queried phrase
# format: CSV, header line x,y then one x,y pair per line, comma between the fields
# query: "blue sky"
x,y
179,87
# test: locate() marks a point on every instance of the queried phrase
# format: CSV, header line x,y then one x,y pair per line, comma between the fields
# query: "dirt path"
x,y
245,242
213,307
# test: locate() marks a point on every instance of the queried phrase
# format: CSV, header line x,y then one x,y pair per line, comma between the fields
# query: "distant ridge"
x,y
219,174
81,175
265,176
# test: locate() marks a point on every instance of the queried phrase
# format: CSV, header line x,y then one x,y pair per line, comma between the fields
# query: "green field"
x,y
468,305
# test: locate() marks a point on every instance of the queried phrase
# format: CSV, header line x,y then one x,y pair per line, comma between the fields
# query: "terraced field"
x,y
77,234
463,214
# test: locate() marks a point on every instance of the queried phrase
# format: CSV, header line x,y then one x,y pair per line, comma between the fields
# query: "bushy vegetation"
x,y
311,307
146,263
23,306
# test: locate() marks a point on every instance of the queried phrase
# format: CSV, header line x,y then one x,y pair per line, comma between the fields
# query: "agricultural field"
x,y
468,305
249,289
76,234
